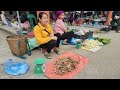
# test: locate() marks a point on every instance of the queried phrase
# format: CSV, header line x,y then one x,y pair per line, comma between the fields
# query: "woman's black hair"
x,y
41,14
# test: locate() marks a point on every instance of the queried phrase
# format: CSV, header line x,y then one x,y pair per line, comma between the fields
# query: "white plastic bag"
x,y
80,32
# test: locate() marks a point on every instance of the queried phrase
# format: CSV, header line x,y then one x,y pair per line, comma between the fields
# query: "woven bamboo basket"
x,y
13,44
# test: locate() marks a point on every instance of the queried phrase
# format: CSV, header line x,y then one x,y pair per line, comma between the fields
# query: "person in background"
x,y
71,19
3,18
12,17
108,18
45,36
77,18
61,29
23,16
115,23
32,19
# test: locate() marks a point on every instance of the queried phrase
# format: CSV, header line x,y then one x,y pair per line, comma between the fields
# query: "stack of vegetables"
x,y
104,40
89,44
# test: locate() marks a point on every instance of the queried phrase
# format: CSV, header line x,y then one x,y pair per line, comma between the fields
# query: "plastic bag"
x,y
73,41
96,24
80,32
15,68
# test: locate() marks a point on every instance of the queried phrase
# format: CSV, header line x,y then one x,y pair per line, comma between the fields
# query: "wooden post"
x,y
47,12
